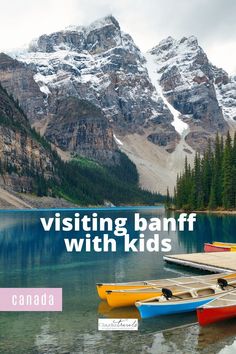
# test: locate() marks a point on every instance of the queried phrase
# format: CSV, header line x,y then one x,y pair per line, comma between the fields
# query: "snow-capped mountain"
x,y
102,65
193,86
225,87
90,89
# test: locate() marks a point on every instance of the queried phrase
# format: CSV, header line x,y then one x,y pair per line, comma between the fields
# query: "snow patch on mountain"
x,y
151,65
177,56
226,96
101,64
118,141
64,61
41,81
64,64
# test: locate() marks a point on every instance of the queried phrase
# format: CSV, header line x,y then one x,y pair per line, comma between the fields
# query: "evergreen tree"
x,y
228,190
211,182
212,201
206,173
168,199
217,170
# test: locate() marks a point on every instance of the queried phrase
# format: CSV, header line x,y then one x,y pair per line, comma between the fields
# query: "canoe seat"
x,y
205,292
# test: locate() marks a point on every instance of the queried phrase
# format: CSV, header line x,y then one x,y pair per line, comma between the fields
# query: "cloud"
x,y
148,21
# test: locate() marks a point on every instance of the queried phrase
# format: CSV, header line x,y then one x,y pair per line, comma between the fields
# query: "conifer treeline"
x,y
211,182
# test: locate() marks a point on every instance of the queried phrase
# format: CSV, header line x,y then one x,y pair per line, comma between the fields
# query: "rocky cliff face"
x,y
18,79
225,87
85,130
189,83
102,65
22,156
58,117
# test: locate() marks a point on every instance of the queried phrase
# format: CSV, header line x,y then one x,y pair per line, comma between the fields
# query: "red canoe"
x,y
208,247
219,309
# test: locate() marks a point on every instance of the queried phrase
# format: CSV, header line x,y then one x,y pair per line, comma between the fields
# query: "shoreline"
x,y
10,200
219,212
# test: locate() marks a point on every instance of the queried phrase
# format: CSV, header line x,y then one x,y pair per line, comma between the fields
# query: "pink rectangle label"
x,y
30,299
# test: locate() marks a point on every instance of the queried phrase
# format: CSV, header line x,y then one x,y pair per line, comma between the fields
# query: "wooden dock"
x,y
213,261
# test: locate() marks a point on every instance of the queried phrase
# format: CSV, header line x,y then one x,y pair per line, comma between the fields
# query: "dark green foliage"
x,y
168,200
81,181
228,188
86,182
212,201
211,183
126,170
14,118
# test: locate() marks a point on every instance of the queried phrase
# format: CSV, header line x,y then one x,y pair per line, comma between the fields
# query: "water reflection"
x,y
208,228
218,338
33,258
106,311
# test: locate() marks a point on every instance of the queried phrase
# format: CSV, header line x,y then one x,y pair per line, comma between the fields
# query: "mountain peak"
x,y
77,37
109,20
189,40
170,43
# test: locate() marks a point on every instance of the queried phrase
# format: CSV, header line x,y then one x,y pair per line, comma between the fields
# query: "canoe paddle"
x,y
223,283
167,293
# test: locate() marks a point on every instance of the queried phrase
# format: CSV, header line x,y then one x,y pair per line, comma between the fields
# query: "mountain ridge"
x,y
102,65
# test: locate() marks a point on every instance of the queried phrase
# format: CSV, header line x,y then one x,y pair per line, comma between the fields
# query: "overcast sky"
x,y
148,22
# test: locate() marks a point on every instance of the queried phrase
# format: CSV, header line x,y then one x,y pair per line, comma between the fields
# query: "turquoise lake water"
x,y
30,257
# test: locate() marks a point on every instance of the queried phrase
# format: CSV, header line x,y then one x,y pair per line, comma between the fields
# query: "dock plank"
x,y
212,261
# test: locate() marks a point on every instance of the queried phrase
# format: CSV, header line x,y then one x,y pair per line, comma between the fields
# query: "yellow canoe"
x,y
226,244
124,298
102,288
232,246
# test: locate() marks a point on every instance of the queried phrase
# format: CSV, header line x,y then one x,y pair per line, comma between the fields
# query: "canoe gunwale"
x,y
174,280
203,307
221,298
172,303
181,285
155,300
227,244
152,301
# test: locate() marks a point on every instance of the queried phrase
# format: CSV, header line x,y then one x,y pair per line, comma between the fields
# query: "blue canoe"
x,y
158,309
186,301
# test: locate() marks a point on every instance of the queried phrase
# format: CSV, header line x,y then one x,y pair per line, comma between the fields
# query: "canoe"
x,y
180,302
226,244
219,309
124,298
102,288
209,247
216,247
